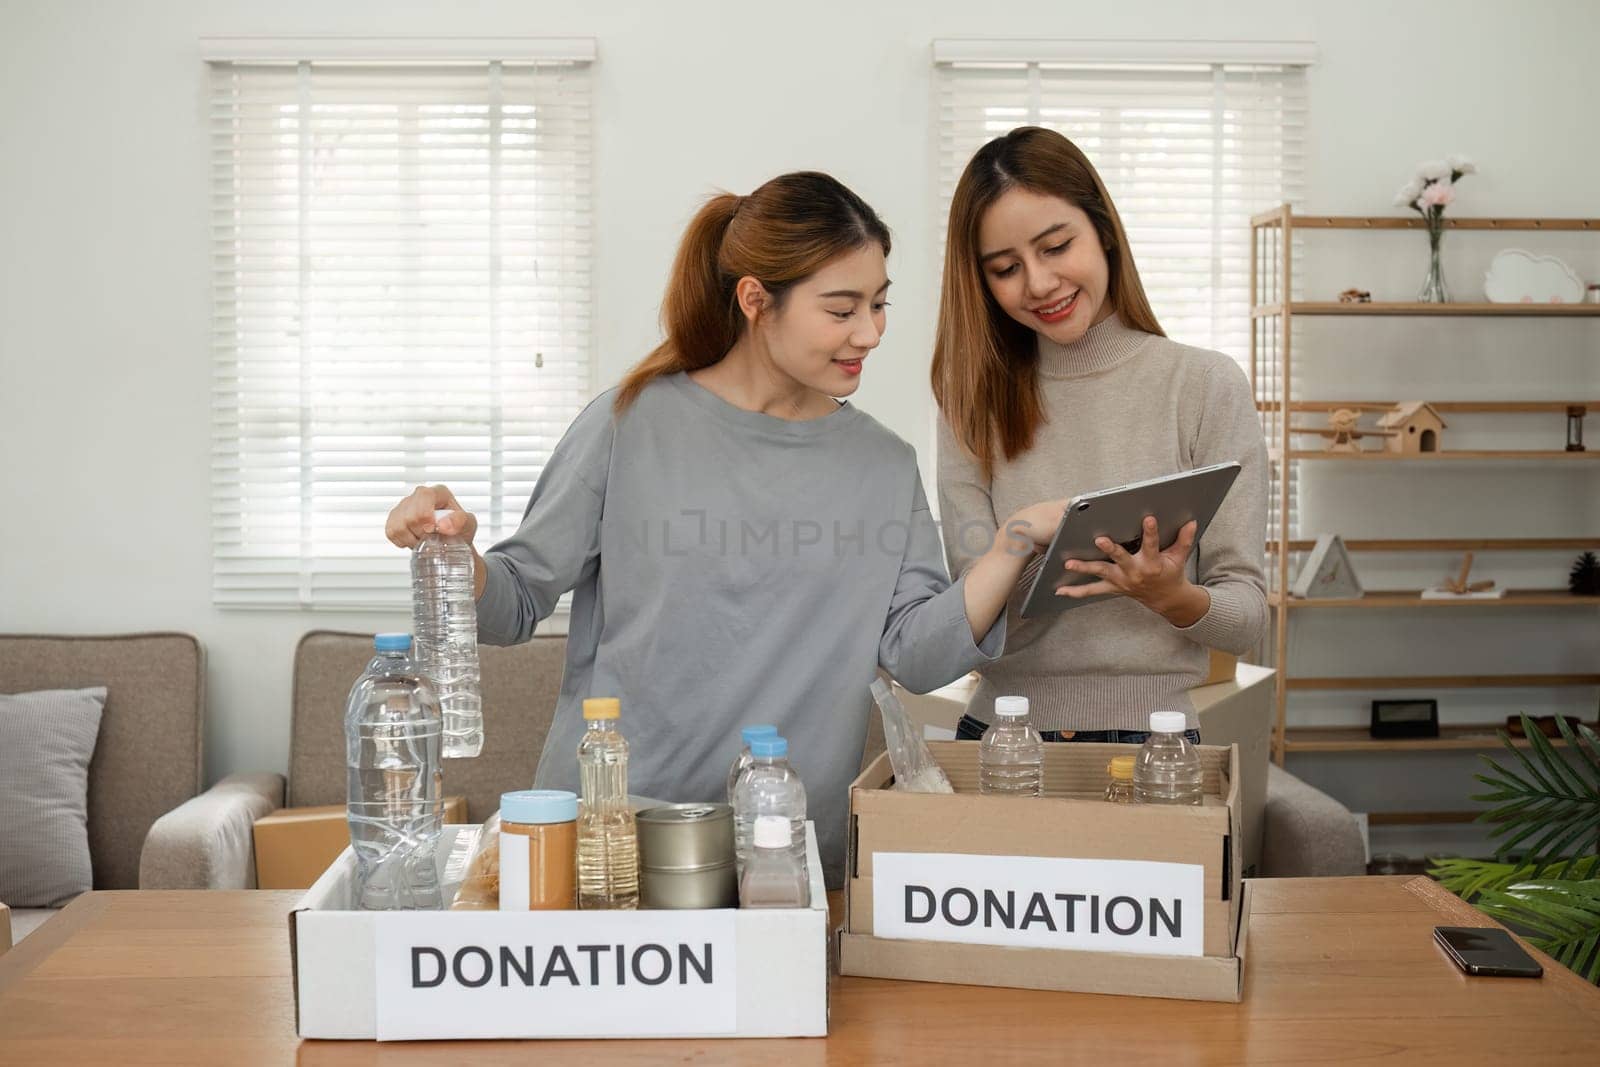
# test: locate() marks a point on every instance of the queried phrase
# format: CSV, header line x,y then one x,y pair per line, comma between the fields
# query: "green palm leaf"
x,y
1467,878
1563,917
1547,811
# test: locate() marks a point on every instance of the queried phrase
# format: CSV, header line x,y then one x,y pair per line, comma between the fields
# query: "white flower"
x,y
1433,168
1462,165
1407,196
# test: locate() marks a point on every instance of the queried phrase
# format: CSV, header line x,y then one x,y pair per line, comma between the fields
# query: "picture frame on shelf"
x,y
1327,573
1404,718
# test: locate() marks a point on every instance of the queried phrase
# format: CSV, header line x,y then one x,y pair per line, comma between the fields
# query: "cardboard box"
x,y
5,929
1221,668
505,974
295,845
971,883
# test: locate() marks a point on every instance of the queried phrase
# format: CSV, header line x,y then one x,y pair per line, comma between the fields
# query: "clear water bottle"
x,y
746,735
769,787
444,617
608,836
1167,769
773,878
395,800
1011,754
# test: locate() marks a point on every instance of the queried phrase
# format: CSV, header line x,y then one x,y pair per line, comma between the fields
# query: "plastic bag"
x,y
914,768
480,887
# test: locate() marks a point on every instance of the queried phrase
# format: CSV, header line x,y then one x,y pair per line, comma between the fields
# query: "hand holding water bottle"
x,y
429,509
447,578
434,509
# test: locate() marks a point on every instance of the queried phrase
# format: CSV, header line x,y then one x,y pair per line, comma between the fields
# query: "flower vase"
x,y
1433,289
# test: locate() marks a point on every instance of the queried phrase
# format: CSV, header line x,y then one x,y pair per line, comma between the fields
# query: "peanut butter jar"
x,y
538,850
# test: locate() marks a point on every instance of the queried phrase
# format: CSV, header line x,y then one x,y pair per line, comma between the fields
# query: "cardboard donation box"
x,y
418,975
1062,892
295,845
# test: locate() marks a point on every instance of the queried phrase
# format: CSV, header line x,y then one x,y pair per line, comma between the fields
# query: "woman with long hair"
x,y
741,546
1054,378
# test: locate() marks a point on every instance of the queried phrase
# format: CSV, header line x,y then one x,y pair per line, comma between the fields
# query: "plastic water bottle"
x,y
608,836
1011,754
915,770
773,878
395,799
444,616
746,735
1167,769
769,787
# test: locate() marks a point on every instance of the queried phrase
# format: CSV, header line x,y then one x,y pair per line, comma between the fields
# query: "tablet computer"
x,y
1174,500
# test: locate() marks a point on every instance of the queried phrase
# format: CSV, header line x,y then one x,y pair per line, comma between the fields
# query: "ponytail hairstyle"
x,y
780,235
985,363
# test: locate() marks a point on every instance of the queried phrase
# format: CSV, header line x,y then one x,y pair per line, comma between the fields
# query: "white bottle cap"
x,y
1009,706
1168,722
772,831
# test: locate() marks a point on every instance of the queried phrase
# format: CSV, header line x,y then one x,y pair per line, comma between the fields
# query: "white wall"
x,y
104,372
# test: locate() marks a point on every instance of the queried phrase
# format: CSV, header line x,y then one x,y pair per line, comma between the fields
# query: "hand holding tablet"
x,y
1121,541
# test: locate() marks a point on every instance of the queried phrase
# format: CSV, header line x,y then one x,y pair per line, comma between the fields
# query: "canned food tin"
x,y
702,887
686,857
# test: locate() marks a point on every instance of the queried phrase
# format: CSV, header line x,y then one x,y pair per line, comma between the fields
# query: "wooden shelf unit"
x,y
1412,598
1459,456
1273,309
1356,739
1282,215
1443,407
1377,308
1420,818
1462,544
1381,683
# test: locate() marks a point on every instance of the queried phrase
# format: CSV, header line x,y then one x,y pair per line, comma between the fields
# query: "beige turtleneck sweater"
x,y
1122,405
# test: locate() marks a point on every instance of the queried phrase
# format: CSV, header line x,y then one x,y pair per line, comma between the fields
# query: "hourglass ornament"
x,y
1575,414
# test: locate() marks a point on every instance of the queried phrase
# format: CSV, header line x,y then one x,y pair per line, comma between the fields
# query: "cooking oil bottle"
x,y
608,841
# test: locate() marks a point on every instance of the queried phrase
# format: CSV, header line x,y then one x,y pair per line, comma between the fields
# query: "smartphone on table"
x,y
1486,950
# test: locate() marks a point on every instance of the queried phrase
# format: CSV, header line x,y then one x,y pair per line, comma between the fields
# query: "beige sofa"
x,y
150,824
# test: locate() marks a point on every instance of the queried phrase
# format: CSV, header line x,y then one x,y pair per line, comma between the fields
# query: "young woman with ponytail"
x,y
740,545
1054,378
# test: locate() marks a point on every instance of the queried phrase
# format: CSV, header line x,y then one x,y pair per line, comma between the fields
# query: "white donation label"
x,y
1155,909
555,974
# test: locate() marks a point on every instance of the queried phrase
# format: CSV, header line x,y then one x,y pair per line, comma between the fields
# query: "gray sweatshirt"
x,y
728,568
1122,405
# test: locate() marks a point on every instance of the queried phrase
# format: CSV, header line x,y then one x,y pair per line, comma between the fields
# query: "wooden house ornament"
x,y
1415,428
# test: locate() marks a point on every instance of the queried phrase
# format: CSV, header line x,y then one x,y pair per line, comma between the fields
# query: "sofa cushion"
x,y
148,758
46,741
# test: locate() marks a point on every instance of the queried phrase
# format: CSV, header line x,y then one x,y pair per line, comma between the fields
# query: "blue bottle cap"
x,y
392,642
769,747
750,733
538,806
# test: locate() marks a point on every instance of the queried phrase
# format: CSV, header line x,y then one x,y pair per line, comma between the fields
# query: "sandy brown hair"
x,y
985,363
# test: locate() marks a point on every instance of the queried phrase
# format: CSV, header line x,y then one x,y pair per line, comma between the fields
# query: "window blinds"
x,y
401,265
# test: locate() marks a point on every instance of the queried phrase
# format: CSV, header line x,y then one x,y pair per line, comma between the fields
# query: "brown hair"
x,y
985,363
780,235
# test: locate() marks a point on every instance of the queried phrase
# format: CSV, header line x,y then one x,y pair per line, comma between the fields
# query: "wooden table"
x,y
1339,970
